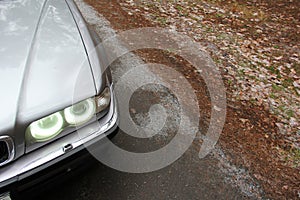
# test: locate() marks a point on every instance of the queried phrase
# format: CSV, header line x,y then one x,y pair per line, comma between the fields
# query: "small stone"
x,y
244,120
132,110
217,108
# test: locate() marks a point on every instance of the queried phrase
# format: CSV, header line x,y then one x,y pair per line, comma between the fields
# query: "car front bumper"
x,y
53,153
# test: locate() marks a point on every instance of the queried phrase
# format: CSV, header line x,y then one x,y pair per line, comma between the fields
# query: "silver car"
x,y
52,84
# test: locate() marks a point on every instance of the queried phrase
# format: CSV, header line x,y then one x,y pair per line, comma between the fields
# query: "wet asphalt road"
x,y
188,178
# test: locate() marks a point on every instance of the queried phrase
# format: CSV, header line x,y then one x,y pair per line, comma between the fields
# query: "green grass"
x,y
253,101
290,113
273,96
162,20
287,82
296,66
219,15
229,82
273,70
281,108
277,88
241,72
178,7
294,156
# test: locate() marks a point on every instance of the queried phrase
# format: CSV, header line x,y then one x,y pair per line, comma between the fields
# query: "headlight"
x,y
103,100
49,127
80,113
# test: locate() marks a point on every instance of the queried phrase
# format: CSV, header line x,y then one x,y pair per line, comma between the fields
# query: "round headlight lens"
x,y
80,113
47,127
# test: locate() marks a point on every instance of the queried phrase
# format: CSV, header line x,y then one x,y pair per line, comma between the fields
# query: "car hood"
x,y
43,66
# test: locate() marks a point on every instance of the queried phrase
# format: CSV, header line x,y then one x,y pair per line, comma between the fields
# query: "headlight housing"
x,y
78,114
47,127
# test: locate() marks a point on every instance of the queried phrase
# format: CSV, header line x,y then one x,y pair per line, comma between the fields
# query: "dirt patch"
x,y
250,138
257,47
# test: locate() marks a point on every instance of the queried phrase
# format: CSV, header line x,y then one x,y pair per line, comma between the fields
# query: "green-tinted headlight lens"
x,y
80,113
47,127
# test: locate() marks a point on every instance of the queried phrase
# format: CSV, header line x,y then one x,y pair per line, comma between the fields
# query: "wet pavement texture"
x,y
187,178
